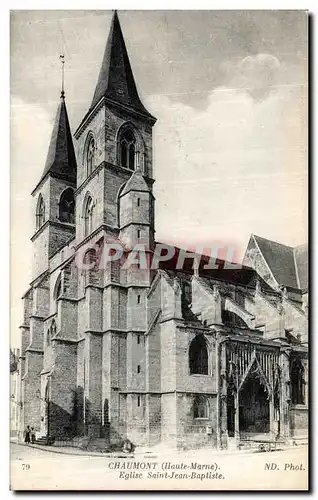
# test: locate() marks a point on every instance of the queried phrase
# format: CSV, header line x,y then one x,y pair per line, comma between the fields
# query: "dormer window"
x,y
127,149
40,212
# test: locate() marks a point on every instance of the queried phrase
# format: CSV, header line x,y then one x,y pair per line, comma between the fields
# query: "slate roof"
x,y
285,262
135,183
61,158
116,80
244,275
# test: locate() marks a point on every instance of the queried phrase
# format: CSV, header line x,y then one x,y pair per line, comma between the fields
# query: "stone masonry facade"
x,y
185,358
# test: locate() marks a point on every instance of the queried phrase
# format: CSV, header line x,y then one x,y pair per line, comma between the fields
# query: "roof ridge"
x,y
273,241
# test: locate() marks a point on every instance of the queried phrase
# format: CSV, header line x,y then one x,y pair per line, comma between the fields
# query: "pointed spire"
x,y
136,183
61,160
116,79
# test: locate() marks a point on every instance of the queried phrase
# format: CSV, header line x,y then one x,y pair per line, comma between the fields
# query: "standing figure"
x,y
27,434
32,435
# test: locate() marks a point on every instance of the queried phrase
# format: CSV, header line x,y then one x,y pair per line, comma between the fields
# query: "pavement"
x,y
65,450
139,452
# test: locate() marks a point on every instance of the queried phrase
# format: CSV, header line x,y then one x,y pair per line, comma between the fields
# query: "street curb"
x,y
149,454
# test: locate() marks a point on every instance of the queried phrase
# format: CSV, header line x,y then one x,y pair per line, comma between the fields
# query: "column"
x,y
237,417
223,398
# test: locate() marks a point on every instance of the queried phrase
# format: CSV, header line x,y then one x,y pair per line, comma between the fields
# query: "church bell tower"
x,y
53,197
114,145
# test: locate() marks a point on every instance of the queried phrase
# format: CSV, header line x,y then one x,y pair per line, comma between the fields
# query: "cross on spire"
x,y
62,59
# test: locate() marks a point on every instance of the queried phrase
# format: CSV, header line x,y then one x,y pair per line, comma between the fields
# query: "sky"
x,y
229,91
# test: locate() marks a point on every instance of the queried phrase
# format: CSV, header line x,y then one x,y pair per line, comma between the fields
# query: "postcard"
x,y
159,178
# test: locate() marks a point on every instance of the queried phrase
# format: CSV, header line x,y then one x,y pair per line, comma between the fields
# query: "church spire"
x,y
116,79
61,160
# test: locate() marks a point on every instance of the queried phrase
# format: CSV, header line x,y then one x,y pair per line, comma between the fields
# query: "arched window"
x,y
40,212
57,292
90,261
58,288
297,382
88,216
200,407
127,148
48,337
51,332
90,156
198,356
67,206
53,328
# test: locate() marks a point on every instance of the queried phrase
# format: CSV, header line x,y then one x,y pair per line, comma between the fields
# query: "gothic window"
x,y
52,331
90,262
186,298
297,382
48,337
53,328
67,206
127,148
118,204
57,291
58,288
90,156
198,356
186,292
88,216
200,407
40,212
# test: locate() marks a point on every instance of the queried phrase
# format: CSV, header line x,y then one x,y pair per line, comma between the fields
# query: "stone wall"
x,y
299,421
63,390
254,259
31,387
196,432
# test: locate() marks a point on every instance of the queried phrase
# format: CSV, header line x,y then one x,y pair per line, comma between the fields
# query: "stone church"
x,y
185,357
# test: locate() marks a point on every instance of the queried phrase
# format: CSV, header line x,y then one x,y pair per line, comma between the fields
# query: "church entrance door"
x,y
254,414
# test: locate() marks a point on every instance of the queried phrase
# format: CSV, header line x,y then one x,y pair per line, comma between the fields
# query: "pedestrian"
x,y
32,435
128,447
27,434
